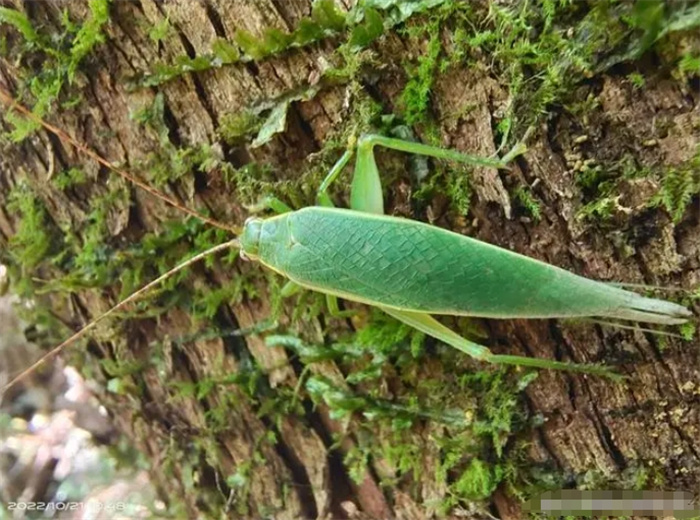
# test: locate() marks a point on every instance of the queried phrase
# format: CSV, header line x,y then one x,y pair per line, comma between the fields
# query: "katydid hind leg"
x,y
366,194
368,141
430,326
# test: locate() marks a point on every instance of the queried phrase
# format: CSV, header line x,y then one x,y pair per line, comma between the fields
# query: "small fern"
x,y
678,187
525,198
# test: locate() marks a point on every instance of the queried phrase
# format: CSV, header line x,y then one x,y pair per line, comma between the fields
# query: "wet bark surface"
x,y
588,424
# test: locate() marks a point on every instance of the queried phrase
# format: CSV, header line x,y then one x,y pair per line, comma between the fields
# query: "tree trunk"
x,y
402,428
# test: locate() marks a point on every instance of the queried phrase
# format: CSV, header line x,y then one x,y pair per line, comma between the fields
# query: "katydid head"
x,y
250,238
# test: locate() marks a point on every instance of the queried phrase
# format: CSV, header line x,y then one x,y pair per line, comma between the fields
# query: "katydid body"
x,y
412,270
407,268
407,265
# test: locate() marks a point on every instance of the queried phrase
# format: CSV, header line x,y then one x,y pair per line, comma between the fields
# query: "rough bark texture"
x,y
589,424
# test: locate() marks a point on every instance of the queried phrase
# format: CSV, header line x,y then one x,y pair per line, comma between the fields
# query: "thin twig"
x,y
66,138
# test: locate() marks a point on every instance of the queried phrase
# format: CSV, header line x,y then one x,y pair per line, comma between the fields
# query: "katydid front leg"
x,y
366,196
324,200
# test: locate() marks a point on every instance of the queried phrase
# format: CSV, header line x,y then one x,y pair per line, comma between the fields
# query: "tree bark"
x,y
224,448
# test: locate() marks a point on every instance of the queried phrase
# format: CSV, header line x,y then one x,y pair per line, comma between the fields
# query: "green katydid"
x,y
410,269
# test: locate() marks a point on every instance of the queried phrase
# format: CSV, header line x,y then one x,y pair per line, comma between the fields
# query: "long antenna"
x,y
66,138
54,351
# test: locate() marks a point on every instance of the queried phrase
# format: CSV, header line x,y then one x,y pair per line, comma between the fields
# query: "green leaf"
x,y
115,386
369,30
275,123
250,44
327,15
648,15
307,32
684,20
276,41
225,51
20,22
402,10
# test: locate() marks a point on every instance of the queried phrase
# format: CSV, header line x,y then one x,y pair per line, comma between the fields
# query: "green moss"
x,y
525,198
688,330
678,185
602,208
62,55
208,301
240,483
20,22
325,20
169,163
362,25
471,444
225,50
542,49
160,30
399,450
356,461
452,180
22,127
478,481
235,126
89,35
69,178
689,64
31,243
637,80
415,97
88,256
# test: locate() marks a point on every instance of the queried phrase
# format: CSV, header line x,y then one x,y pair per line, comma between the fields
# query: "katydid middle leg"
x,y
290,289
366,196
366,188
271,203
